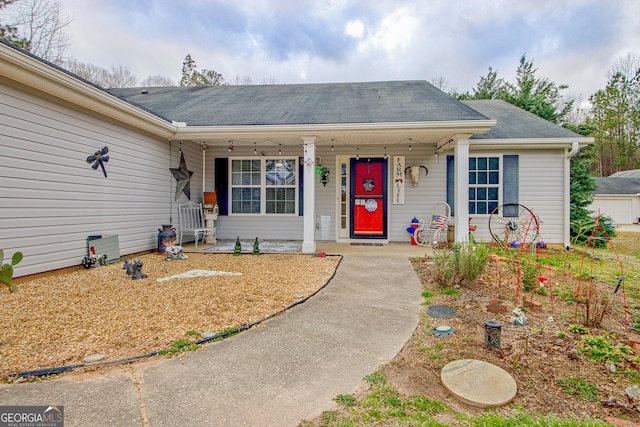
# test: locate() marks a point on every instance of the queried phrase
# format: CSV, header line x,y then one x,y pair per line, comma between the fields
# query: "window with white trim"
x,y
264,186
484,184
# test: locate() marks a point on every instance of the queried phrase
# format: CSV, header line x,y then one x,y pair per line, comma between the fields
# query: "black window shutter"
x,y
221,167
451,188
300,187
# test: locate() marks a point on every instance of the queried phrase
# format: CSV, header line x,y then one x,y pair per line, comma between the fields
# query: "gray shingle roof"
x,y
618,185
635,173
514,122
326,103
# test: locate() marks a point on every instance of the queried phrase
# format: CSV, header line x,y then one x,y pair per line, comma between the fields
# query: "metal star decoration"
x,y
183,178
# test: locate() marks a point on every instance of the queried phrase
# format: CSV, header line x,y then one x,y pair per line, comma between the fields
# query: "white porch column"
x,y
461,160
308,241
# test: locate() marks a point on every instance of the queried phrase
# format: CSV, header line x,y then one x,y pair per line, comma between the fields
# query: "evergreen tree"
x,y
541,96
582,187
188,69
10,32
538,95
192,77
489,87
616,120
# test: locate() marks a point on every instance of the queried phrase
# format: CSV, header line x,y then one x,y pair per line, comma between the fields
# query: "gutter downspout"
x,y
575,147
204,164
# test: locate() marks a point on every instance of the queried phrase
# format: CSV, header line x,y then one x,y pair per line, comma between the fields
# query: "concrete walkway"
x,y
289,368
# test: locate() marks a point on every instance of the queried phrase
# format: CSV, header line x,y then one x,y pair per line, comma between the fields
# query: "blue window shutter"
x,y
451,187
221,175
511,179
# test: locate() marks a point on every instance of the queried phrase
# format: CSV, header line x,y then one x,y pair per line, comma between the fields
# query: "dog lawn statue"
x,y
137,271
128,266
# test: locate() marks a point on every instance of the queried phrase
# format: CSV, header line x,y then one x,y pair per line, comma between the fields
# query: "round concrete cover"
x,y
478,383
441,311
93,358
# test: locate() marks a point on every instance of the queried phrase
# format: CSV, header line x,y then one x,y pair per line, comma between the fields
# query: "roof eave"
x,y
530,143
23,69
320,130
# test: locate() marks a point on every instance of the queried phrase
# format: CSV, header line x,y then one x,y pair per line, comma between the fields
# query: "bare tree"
x,y
118,76
440,82
42,24
270,81
157,81
241,80
627,66
579,112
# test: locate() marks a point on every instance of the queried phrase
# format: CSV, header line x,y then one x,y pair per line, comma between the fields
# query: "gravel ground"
x,y
60,319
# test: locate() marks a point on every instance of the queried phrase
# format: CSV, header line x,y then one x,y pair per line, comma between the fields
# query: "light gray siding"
x,y
418,200
52,199
541,191
248,227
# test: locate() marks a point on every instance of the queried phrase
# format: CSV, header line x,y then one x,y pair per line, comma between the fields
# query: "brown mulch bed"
x,y
537,355
59,319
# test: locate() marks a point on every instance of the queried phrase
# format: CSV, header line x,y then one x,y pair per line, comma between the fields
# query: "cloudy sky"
x,y
302,41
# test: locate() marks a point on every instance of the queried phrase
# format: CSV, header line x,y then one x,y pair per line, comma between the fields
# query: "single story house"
x,y
618,197
304,162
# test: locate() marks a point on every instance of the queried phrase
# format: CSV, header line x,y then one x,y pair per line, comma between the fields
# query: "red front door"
x,y
369,199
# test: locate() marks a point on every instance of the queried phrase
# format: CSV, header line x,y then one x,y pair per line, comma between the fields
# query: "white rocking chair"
x,y
433,230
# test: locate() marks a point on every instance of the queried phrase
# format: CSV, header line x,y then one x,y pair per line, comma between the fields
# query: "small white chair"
x,y
433,230
191,221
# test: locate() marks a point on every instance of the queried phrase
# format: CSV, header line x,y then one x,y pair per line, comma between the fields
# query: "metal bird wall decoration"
x,y
99,158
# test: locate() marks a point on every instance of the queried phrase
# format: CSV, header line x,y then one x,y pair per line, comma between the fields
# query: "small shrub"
x,y
578,329
579,388
463,265
452,292
378,377
529,272
346,400
178,347
595,304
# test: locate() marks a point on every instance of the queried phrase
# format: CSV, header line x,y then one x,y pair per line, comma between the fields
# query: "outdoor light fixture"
x,y
324,176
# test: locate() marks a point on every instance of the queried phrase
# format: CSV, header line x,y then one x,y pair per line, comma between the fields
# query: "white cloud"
x,y
570,41
354,29
394,34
